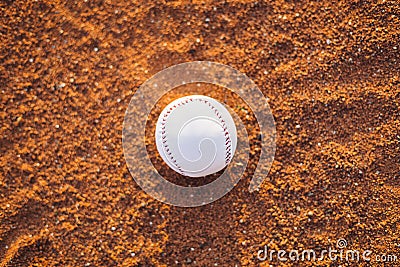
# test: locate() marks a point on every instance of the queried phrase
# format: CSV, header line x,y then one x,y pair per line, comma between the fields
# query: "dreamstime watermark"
x,y
148,94
339,253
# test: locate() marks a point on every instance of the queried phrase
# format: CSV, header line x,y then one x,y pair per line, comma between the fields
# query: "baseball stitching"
x,y
228,142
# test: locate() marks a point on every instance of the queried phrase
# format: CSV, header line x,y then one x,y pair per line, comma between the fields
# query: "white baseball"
x,y
196,136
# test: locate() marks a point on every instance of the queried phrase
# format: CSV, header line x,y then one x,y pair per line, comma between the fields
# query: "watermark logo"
x,y
341,243
148,94
340,253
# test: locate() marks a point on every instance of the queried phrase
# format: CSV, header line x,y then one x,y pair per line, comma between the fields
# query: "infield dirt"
x,y
68,70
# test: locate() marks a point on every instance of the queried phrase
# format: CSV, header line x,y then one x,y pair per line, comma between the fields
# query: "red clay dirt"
x,y
68,70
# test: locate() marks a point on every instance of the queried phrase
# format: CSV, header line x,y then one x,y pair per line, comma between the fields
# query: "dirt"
x,y
330,70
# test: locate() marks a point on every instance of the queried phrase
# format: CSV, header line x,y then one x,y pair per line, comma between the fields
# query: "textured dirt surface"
x,y
68,70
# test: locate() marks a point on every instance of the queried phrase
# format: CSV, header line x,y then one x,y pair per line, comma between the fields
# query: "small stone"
x,y
96,49
310,213
328,41
297,126
198,40
57,126
113,228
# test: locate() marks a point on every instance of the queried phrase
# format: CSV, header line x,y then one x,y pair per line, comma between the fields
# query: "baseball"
x,y
196,136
